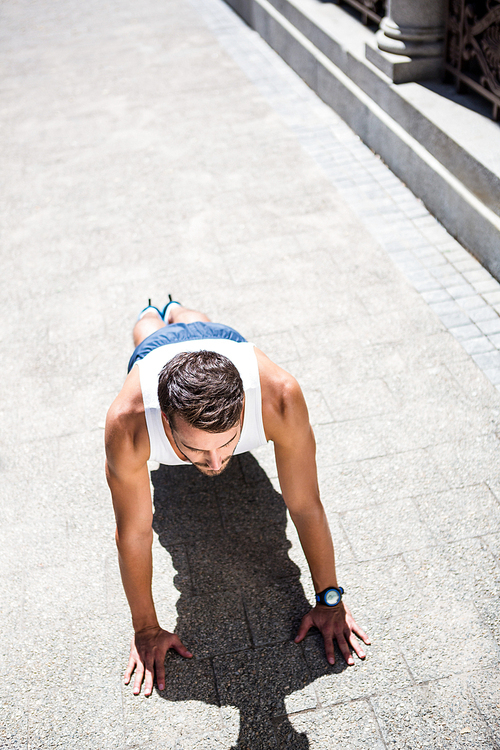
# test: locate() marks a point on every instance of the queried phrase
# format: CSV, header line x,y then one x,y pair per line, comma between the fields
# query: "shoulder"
x,y
283,404
126,436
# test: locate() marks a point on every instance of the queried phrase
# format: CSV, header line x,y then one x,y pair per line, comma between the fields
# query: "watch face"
x,y
332,597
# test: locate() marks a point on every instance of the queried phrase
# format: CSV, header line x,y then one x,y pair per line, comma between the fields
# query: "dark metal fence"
x,y
473,48
371,10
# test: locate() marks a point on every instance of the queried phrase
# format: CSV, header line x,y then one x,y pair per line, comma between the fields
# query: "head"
x,y
201,398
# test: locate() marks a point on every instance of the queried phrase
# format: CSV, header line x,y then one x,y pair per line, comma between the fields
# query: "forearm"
x,y
316,540
136,568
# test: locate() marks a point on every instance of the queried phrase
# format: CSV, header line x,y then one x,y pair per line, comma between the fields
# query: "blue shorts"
x,y
177,332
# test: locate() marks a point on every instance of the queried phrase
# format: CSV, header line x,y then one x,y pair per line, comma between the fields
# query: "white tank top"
x,y
241,354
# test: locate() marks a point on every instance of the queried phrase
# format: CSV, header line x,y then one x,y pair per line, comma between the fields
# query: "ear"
x,y
167,421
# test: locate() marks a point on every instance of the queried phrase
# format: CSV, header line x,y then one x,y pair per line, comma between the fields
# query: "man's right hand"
x,y
147,657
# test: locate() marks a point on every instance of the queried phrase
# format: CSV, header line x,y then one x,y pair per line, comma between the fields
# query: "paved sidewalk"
x,y
159,148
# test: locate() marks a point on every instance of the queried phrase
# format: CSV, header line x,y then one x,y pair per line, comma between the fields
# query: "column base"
x,y
403,69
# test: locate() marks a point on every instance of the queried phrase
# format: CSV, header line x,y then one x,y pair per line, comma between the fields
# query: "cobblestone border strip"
x,y
454,284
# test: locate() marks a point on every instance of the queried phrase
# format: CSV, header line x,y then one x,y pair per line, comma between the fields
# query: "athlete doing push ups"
x,y
197,393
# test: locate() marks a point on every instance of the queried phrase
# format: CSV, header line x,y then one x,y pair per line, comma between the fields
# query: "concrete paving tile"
x,y
423,282
478,346
160,723
472,303
460,329
257,734
212,623
493,375
468,461
431,657
13,718
460,513
274,611
343,487
366,398
485,689
453,281
386,529
250,555
485,285
424,351
351,727
436,295
403,474
269,681
280,346
477,276
363,363
381,670
422,319
460,571
453,320
349,441
395,325
63,592
490,326
461,291
441,714
492,298
390,294
434,259
466,572
445,272
479,389
252,509
200,516
467,265
432,422
482,313
487,360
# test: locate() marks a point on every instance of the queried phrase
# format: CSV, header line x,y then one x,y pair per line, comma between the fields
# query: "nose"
x,y
214,461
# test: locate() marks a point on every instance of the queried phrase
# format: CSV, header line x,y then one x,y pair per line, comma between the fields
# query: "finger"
x,y
329,650
344,649
361,634
148,679
160,672
356,647
139,675
305,627
129,670
180,648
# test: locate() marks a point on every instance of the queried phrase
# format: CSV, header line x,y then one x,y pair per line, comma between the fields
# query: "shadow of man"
x,y
241,598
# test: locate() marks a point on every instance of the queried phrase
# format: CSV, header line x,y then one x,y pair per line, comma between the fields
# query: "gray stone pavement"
x,y
163,147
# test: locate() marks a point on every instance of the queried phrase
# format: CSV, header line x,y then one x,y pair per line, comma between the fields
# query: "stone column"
x,y
410,40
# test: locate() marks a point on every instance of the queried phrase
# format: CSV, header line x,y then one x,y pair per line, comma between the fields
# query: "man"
x,y
197,393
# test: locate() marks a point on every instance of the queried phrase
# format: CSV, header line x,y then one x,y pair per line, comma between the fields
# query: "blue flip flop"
x,y
164,312
147,309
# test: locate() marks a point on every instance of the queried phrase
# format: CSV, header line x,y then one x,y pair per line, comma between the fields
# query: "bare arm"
x,y
295,449
128,479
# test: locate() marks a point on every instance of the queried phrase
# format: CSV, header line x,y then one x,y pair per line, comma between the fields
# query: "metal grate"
x,y
371,10
473,48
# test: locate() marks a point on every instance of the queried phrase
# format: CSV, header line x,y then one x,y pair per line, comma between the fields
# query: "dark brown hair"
x,y
203,388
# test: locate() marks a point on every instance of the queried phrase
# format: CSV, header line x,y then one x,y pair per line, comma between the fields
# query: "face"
x,y
210,452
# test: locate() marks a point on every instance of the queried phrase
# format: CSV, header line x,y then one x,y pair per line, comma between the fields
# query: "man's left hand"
x,y
335,623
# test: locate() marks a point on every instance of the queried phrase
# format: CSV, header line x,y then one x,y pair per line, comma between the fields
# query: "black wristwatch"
x,y
330,597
